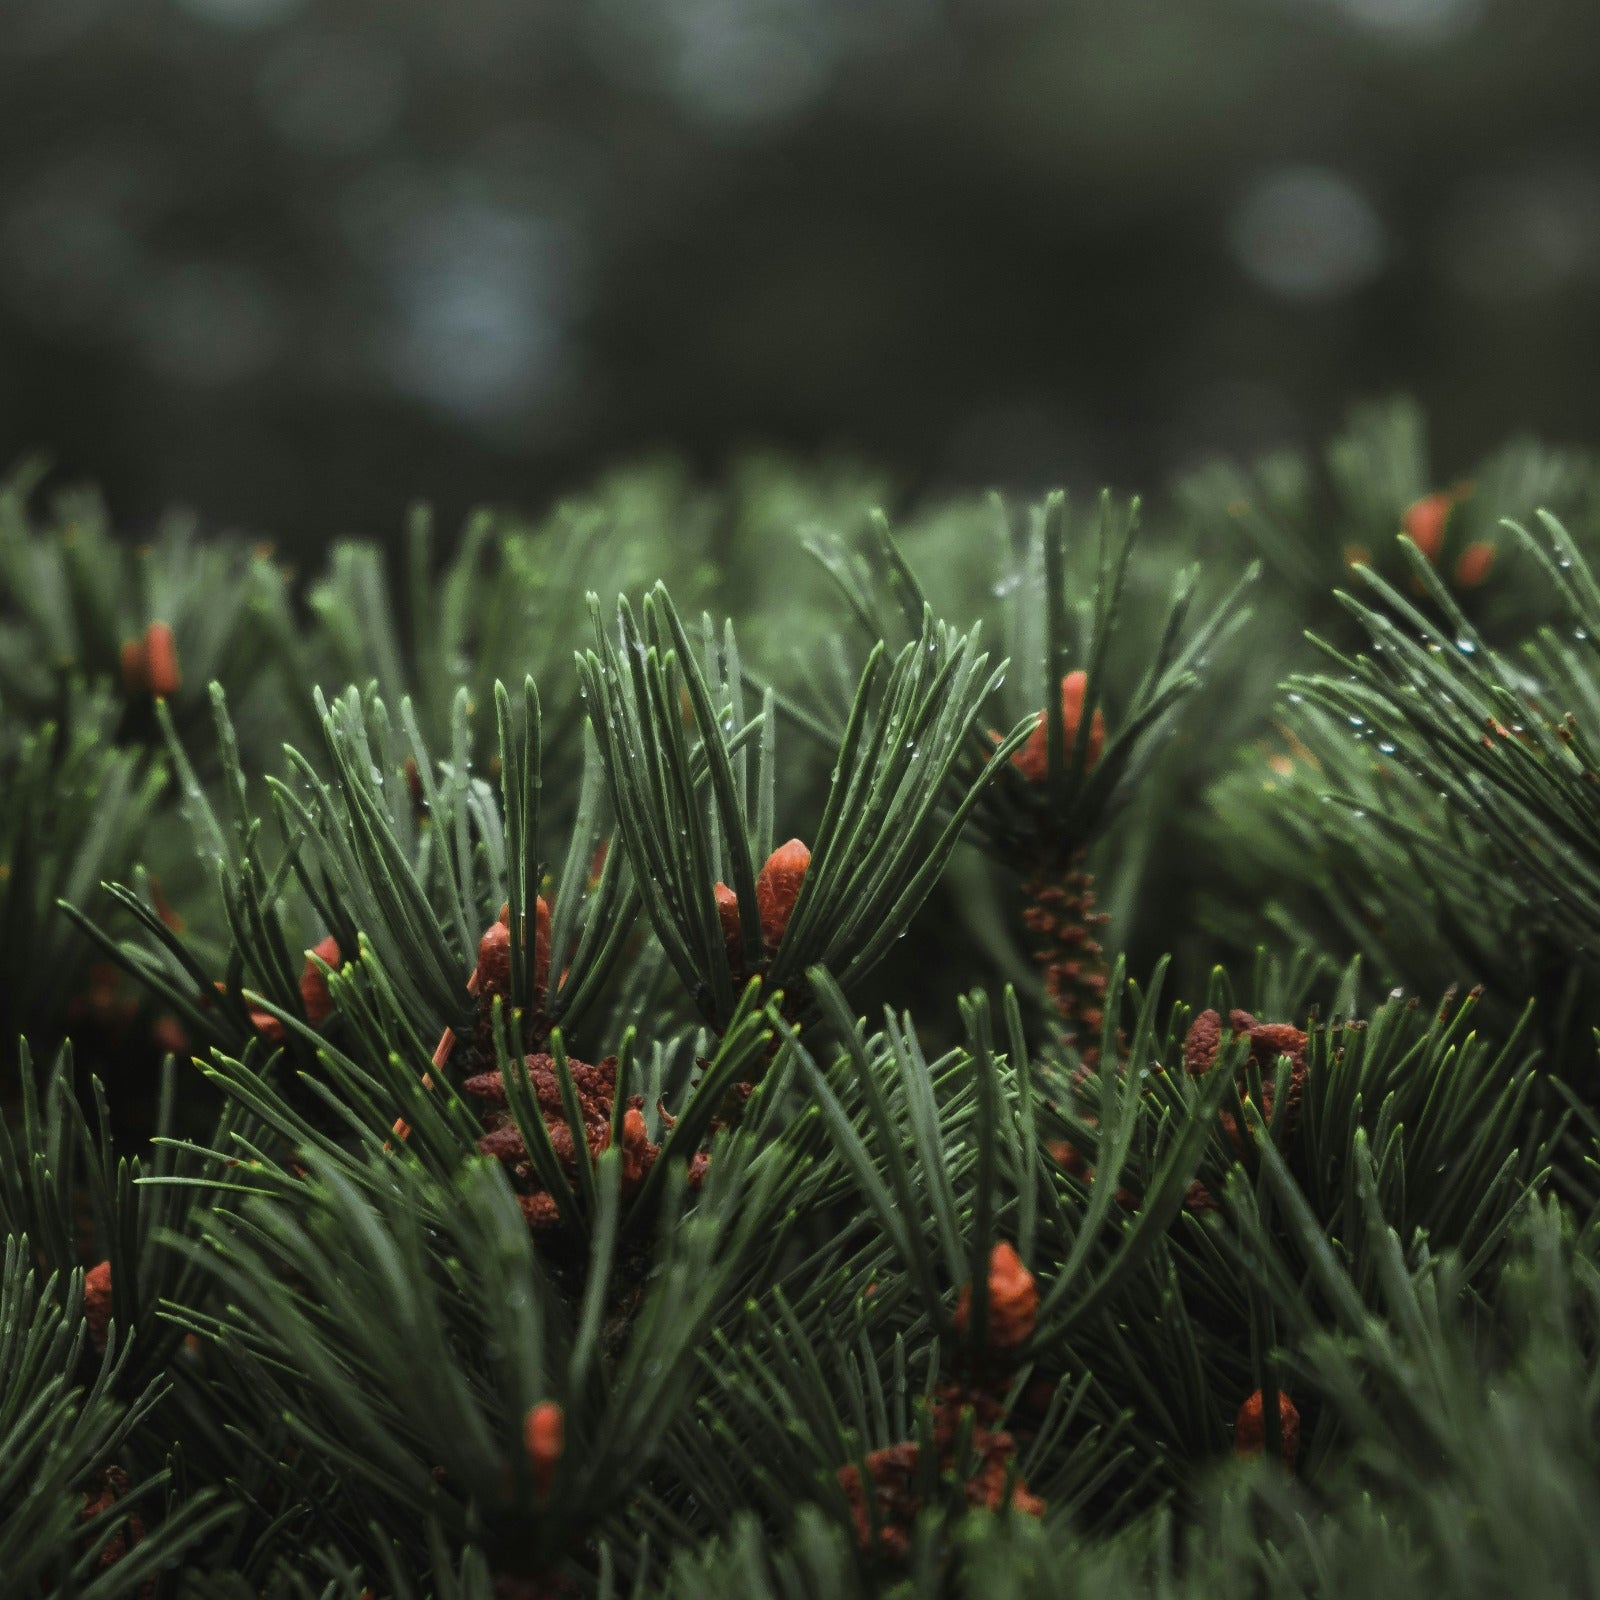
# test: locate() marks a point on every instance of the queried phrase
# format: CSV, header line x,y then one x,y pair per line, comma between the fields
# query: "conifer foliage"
x,y
1034,1053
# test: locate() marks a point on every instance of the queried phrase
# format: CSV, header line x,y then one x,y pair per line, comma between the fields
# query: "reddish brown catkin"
x,y
1060,914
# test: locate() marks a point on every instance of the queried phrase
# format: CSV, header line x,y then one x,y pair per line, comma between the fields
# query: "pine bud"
x,y
1250,1432
492,975
1201,1043
1033,759
544,1438
635,1147
113,1486
777,889
150,663
541,947
314,994
732,931
1473,564
263,1022
1424,522
1268,1041
1013,1300
97,1302
161,661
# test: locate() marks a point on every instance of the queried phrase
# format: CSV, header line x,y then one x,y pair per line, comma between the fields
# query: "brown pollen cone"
x,y
732,930
889,1496
1013,1300
596,1088
492,975
1201,1042
1474,563
1250,1429
161,661
314,994
1060,913
266,1024
638,1154
1424,522
97,1302
113,1485
541,947
544,1437
150,663
1033,759
778,887
1268,1041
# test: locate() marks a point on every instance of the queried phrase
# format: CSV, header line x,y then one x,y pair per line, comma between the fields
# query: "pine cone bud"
x,y
113,1486
778,887
1202,1041
97,1302
1268,1041
732,932
635,1147
1473,564
541,947
1424,522
1013,1300
1033,759
544,1438
492,975
314,994
161,661
150,663
1250,1432
263,1022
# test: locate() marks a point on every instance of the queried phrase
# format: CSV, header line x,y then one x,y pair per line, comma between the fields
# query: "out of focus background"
x,y
300,262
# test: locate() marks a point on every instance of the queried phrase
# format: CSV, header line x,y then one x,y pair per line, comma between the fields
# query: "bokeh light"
x,y
1308,234
242,13
483,249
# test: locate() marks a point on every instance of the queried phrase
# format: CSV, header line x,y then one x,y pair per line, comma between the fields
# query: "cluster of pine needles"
x,y
1018,1052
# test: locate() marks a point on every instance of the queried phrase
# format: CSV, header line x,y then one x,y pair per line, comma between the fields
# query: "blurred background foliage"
x,y
299,262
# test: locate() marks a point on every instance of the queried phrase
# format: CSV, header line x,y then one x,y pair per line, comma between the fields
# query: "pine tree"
x,y
1027,1052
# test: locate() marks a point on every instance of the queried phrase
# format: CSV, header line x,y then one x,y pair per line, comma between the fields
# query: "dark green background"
x,y
297,262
